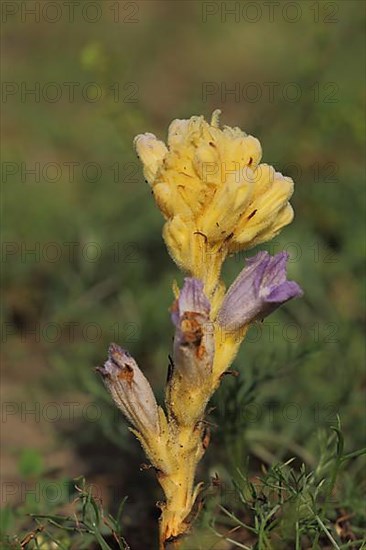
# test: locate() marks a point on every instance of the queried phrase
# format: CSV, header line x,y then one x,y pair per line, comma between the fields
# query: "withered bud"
x,y
130,389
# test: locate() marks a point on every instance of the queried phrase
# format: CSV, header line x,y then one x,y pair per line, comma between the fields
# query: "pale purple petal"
x,y
275,271
257,259
191,299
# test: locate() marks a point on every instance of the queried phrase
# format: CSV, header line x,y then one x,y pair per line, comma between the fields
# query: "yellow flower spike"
x,y
216,199
215,196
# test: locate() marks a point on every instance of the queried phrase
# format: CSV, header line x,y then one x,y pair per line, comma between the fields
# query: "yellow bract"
x,y
215,195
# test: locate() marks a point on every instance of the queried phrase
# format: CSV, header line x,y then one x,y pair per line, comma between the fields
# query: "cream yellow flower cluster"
x,y
215,195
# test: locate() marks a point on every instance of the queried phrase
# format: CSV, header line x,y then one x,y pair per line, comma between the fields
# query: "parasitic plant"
x,y
217,199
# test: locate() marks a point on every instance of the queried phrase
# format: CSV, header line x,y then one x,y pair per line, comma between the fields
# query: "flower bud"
x,y
194,341
130,390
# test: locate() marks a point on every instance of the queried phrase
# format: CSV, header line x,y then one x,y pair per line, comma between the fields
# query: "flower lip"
x,y
259,289
116,353
118,359
284,292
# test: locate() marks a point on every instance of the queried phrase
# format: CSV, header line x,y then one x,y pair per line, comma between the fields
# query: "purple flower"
x,y
259,289
194,340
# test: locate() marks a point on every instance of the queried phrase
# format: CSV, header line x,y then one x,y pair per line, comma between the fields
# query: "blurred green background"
x,y
84,263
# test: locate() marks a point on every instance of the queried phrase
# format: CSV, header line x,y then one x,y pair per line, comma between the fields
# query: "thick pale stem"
x,y
178,483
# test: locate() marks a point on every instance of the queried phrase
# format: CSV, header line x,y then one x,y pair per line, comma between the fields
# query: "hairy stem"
x,y
178,482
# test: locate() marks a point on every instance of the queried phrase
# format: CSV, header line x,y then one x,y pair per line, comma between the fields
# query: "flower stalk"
x,y
216,199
